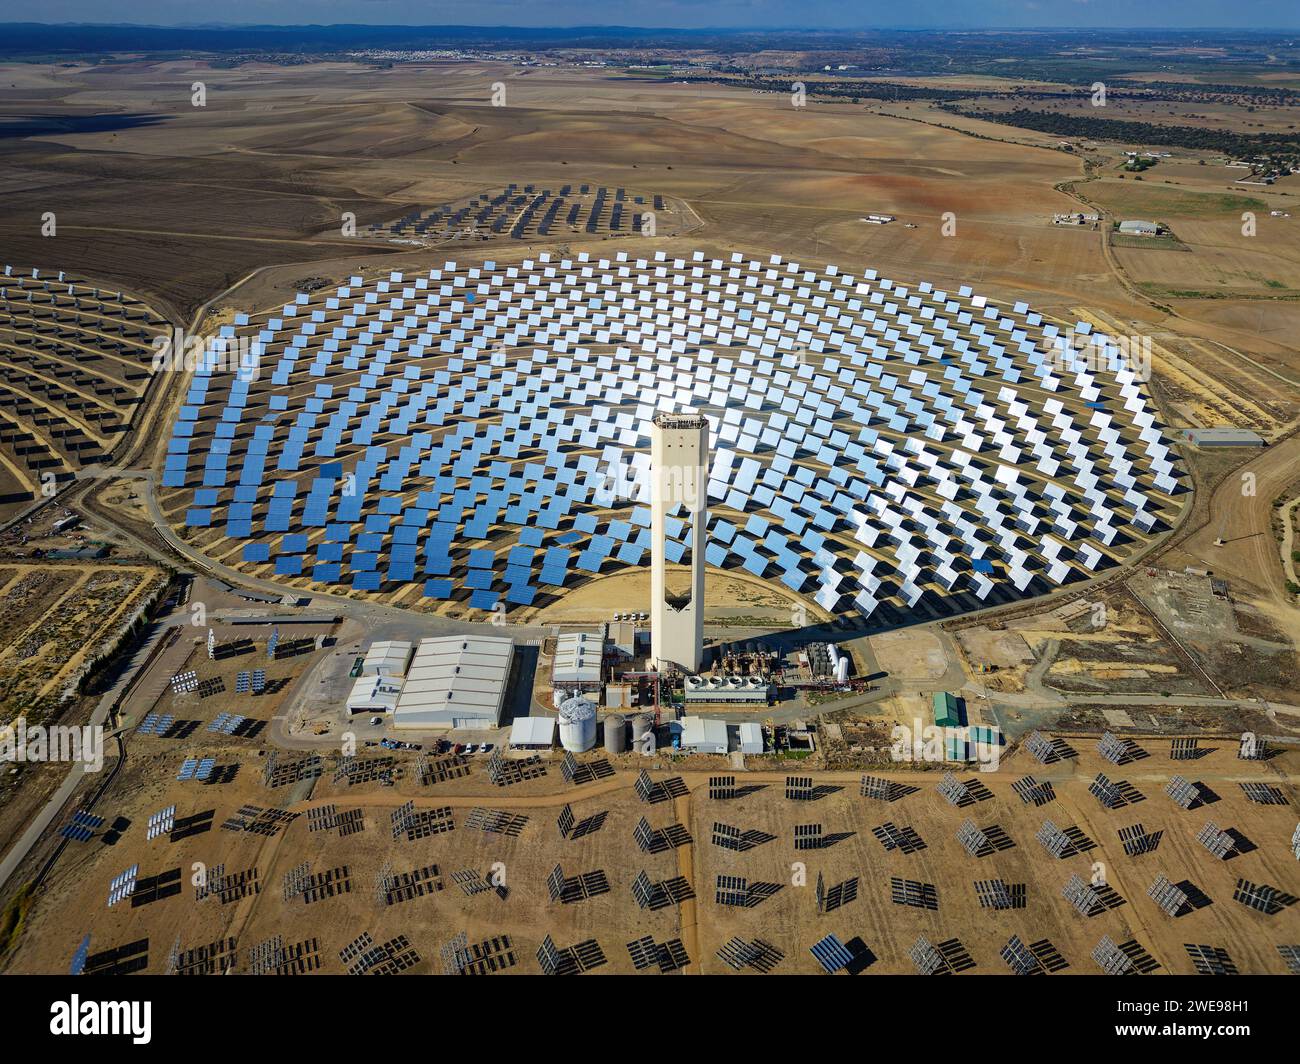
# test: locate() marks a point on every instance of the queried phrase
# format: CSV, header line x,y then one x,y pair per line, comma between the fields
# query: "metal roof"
x,y
454,677
532,731
702,731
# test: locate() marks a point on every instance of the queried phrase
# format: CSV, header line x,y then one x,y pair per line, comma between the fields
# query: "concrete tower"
x,y
679,475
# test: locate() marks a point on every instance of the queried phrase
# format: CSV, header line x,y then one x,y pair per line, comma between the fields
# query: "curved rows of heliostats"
x,y
483,431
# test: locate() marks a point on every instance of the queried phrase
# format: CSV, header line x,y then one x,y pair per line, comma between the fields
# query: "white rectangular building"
x,y
532,733
388,657
704,736
455,682
578,657
751,738
374,694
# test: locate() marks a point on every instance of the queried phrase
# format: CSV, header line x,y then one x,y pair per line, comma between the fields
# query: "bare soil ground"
x,y
73,902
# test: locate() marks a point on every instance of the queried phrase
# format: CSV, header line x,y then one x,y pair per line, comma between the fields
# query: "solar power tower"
x,y
679,473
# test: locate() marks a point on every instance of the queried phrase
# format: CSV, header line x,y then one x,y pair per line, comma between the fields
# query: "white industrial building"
x,y
374,694
578,657
455,682
388,657
751,738
532,733
704,736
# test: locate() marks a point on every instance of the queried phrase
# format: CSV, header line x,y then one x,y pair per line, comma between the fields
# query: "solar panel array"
x,y
943,959
227,723
156,724
722,788
74,363
1106,792
1220,843
1184,794
1210,960
954,791
1136,840
1253,748
1118,751
184,682
526,212
1111,959
758,954
161,823
81,826
1055,841
874,442
1261,897
998,894
831,954
1019,958
974,841
1169,898
1264,793
1083,896
122,885
1030,790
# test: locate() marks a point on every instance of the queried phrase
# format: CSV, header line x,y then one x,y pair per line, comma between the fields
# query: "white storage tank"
x,y
577,725
842,670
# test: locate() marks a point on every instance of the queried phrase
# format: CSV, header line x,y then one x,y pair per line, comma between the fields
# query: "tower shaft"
x,y
679,473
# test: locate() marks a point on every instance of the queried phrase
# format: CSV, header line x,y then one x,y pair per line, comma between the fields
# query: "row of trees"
x,y
1282,147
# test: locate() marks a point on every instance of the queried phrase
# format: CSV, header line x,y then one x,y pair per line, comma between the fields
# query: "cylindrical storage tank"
x,y
616,733
577,725
842,670
834,652
641,725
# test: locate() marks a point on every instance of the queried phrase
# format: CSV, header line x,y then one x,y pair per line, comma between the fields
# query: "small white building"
x,y
374,694
751,738
532,733
704,735
388,657
1139,228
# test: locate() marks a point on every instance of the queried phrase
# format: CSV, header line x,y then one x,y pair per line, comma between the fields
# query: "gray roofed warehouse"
x,y
455,682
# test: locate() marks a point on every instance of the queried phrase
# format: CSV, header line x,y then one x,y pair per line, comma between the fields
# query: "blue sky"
x,y
805,14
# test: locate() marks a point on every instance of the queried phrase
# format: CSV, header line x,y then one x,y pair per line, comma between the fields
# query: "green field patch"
x,y
1142,201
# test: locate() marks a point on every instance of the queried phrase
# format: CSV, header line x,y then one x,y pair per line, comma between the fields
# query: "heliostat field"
x,y
483,432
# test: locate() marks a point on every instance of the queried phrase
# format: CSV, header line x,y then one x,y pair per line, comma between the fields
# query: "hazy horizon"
x,y
719,15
